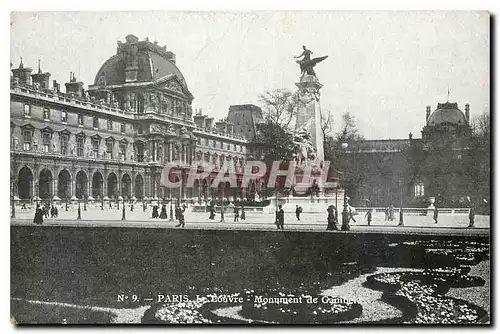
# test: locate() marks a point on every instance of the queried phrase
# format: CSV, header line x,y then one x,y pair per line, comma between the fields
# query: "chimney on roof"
x,y
74,87
23,74
427,113
55,86
41,78
467,113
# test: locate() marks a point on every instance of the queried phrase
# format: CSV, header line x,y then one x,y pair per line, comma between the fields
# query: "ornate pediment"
x,y
171,83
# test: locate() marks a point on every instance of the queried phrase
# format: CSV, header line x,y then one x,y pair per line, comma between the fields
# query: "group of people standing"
x,y
236,211
389,213
41,212
179,213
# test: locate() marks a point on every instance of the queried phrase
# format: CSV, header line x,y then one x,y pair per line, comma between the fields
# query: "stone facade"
x,y
113,140
392,171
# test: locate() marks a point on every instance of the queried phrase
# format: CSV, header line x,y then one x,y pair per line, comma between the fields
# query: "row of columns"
x,y
160,151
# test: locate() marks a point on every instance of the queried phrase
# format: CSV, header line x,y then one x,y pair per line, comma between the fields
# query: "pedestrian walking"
x,y
180,215
471,216
211,209
163,213
351,216
331,219
435,217
236,213
222,213
386,212
280,218
368,216
298,211
38,219
154,215
391,212
243,216
144,207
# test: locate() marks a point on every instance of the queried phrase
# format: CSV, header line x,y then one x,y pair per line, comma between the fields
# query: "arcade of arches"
x,y
51,184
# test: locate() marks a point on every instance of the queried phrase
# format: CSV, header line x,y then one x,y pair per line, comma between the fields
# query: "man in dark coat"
x,y
435,217
211,209
236,213
298,211
280,218
368,216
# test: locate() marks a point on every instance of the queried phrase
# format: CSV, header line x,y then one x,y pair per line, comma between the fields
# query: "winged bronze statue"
x,y
306,63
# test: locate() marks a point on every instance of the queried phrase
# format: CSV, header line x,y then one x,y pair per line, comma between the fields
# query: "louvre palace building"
x,y
112,140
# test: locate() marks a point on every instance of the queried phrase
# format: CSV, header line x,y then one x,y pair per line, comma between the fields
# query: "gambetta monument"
x,y
309,109
309,138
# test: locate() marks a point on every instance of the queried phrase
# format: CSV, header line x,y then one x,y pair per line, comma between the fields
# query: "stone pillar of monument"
x,y
309,112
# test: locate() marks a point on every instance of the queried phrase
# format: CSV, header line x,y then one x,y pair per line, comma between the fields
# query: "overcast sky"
x,y
383,67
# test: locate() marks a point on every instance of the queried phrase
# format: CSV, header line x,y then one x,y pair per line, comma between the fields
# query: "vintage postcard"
x,y
267,167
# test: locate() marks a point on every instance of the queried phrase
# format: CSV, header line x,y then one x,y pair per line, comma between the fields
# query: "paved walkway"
x,y
413,224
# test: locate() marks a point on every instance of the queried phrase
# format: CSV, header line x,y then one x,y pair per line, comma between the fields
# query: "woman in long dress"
x,y
163,213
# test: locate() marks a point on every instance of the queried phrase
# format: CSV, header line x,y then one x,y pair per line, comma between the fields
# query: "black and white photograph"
x,y
278,167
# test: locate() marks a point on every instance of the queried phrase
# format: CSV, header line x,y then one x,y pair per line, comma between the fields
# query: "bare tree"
x,y
279,107
349,132
326,124
481,125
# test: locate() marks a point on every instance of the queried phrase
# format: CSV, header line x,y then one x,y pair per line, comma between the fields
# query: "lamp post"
x,y
401,206
171,209
36,194
345,212
102,201
13,213
79,211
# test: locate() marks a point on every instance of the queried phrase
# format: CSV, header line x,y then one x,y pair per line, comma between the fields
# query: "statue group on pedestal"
x,y
306,63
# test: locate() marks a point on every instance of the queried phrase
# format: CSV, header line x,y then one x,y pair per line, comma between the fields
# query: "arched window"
x,y
46,114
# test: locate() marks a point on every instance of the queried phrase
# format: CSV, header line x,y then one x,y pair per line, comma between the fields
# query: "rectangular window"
x,y
80,120
122,127
215,143
95,122
139,129
27,140
27,110
64,116
235,147
241,148
64,144
206,141
95,148
109,149
46,142
79,146
46,114
221,145
140,153
199,141
419,189
123,151
110,125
